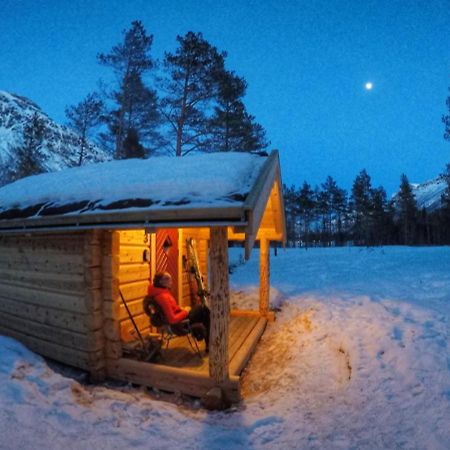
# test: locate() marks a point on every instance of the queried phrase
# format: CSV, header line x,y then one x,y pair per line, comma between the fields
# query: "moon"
x,y
368,86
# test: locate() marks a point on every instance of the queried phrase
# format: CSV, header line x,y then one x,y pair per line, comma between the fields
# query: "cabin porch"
x,y
180,369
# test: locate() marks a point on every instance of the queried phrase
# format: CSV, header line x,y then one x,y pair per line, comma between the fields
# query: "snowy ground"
x,y
358,358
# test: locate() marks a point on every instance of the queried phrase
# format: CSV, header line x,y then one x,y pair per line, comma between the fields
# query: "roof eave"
x,y
175,218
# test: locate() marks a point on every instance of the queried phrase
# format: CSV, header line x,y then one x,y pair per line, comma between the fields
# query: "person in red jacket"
x,y
160,291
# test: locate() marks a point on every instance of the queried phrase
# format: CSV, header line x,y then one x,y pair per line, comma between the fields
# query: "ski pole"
x,y
132,320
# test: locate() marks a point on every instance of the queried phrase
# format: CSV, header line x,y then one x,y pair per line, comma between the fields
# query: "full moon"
x,y
368,86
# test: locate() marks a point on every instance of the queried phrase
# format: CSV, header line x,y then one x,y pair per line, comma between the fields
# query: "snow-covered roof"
x,y
158,188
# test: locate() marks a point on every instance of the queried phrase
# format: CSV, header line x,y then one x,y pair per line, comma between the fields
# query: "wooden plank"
x,y
135,307
127,330
245,352
111,310
129,273
89,341
63,282
51,243
244,332
135,290
92,255
132,254
48,298
113,349
220,305
171,379
91,361
43,263
264,275
71,321
134,237
270,316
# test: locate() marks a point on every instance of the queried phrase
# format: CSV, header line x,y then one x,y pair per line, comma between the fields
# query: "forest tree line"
x,y
188,102
327,215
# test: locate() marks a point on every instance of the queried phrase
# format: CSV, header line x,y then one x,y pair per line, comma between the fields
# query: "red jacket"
x,y
164,298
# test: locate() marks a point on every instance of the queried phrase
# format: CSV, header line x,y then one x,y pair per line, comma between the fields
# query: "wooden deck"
x,y
182,370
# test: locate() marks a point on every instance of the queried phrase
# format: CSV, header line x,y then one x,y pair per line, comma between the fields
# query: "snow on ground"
x,y
358,358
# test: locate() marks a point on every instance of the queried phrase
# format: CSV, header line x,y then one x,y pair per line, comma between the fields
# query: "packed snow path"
x,y
358,358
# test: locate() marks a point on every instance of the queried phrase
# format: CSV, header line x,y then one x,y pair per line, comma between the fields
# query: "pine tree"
x,y
84,117
446,120
131,145
444,212
339,206
382,217
135,104
190,87
306,209
233,129
30,157
407,211
290,199
362,204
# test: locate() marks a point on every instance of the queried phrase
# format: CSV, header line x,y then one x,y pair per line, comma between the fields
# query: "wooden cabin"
x,y
65,259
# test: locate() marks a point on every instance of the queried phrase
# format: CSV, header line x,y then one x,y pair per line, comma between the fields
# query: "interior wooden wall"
x,y
125,269
134,276
50,296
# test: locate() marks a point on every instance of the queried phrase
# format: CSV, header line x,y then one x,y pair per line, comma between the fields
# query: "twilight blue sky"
x,y
306,63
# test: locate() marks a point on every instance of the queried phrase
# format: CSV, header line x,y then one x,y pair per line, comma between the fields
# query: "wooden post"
x,y
220,305
264,275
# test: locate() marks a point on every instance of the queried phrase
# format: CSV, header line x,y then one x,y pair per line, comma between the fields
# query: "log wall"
x,y
51,296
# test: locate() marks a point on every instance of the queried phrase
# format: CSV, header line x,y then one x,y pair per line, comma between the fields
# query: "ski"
x,y
194,270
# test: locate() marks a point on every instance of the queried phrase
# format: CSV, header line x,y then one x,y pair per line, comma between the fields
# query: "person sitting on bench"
x,y
160,291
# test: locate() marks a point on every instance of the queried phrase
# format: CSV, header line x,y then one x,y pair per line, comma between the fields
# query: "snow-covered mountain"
x,y
428,194
60,143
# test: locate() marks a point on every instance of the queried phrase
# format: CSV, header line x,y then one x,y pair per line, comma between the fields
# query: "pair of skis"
x,y
194,271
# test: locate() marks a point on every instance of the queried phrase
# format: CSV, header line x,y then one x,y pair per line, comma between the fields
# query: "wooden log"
x,y
44,263
90,361
135,290
88,341
129,273
111,329
244,353
92,255
113,350
264,274
51,244
111,243
80,323
93,278
128,332
63,282
111,310
220,306
134,237
171,379
132,254
47,298
135,307
270,316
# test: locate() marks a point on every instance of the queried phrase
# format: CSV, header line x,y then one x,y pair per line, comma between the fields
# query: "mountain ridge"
x,y
60,145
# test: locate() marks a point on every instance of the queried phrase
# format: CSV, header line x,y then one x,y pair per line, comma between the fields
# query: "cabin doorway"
x,y
167,254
